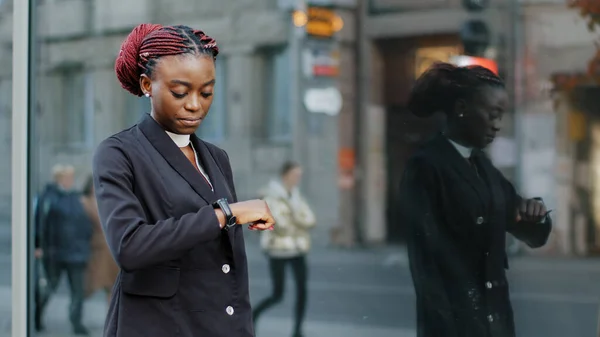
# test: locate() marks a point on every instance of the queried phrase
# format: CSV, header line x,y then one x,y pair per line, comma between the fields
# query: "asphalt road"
x,y
372,288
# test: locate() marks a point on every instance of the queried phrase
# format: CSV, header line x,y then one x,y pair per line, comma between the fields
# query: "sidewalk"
x,y
57,322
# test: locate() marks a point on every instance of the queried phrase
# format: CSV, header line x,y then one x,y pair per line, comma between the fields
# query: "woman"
x,y
458,207
289,243
102,270
163,199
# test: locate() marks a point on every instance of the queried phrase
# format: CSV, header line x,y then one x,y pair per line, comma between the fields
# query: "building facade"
x,y
78,101
353,158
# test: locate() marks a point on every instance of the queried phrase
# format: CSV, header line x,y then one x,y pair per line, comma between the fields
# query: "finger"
x,y
539,210
518,216
530,210
523,207
543,209
261,226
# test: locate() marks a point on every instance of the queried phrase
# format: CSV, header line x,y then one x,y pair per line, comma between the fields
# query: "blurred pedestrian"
x,y
167,201
289,243
62,241
102,270
458,207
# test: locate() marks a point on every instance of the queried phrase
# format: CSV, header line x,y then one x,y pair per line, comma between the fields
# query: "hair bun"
x,y
430,89
127,65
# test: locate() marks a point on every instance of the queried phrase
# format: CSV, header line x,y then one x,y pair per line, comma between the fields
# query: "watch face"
x,y
232,221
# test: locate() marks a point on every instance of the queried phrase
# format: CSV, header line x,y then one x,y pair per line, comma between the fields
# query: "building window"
x,y
278,95
214,126
77,124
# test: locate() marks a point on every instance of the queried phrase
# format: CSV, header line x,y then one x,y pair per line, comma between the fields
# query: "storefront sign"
x,y
318,21
346,159
321,62
323,100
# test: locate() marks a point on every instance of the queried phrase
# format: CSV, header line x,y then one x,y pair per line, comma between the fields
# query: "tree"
x,y
589,11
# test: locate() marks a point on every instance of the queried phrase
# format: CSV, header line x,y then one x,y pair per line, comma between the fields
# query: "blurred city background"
x,y
325,82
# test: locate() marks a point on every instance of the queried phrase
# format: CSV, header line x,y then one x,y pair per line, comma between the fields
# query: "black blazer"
x,y
456,222
181,275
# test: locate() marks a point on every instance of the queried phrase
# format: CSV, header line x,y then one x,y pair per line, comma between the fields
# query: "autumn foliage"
x,y
590,11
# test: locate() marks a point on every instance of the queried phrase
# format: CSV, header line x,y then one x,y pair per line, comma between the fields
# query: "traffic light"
x,y
475,33
475,36
475,5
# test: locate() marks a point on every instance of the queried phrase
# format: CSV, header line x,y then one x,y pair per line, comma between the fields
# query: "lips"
x,y
190,121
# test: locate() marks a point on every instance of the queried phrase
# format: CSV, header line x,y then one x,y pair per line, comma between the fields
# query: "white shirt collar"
x,y
180,140
464,151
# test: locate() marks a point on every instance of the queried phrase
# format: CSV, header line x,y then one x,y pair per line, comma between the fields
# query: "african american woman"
x,y
167,201
458,207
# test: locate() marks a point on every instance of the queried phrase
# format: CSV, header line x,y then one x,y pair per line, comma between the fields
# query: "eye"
x,y
207,94
176,95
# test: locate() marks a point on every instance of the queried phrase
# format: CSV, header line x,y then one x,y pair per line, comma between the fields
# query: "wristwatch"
x,y
230,219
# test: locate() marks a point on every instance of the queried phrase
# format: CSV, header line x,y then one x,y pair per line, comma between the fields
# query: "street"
x,y
369,293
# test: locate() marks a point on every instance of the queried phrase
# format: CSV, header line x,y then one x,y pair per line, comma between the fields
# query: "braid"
x,y
149,42
443,84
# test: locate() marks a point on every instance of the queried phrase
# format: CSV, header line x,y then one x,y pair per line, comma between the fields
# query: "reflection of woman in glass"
x,y
163,198
102,270
289,243
458,207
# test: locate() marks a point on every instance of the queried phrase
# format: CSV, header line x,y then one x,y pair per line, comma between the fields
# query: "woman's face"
x,y
292,177
182,91
481,118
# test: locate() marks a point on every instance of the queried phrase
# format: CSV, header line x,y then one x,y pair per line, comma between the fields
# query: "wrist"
x,y
230,219
220,217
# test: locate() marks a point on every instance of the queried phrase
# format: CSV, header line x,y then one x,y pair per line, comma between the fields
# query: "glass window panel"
x,y
136,108
214,126
278,95
351,292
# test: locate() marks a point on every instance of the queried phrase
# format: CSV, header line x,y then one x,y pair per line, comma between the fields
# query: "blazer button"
x,y
226,268
229,310
489,285
479,220
490,318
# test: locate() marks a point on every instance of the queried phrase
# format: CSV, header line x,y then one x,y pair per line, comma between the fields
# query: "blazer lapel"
x,y
461,165
175,157
211,167
217,178
497,216
489,173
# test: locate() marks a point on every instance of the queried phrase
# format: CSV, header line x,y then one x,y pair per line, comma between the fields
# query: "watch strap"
x,y
223,205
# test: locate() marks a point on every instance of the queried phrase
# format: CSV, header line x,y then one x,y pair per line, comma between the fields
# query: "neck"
x,y
288,187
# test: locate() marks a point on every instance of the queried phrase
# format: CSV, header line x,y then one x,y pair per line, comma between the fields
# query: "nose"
x,y
193,104
496,125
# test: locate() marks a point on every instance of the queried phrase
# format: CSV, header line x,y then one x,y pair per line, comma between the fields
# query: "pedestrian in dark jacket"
x,y
62,240
458,207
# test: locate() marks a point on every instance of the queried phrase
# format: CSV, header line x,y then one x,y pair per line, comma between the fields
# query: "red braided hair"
x,y
148,42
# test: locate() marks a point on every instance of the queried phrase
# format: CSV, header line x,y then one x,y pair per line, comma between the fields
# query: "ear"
x,y
460,108
146,84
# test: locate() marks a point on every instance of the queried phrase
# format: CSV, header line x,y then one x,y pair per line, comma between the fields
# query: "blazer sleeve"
x,y
428,246
534,234
134,242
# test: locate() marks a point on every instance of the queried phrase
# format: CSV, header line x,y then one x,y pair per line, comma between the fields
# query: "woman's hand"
x,y
253,212
531,210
